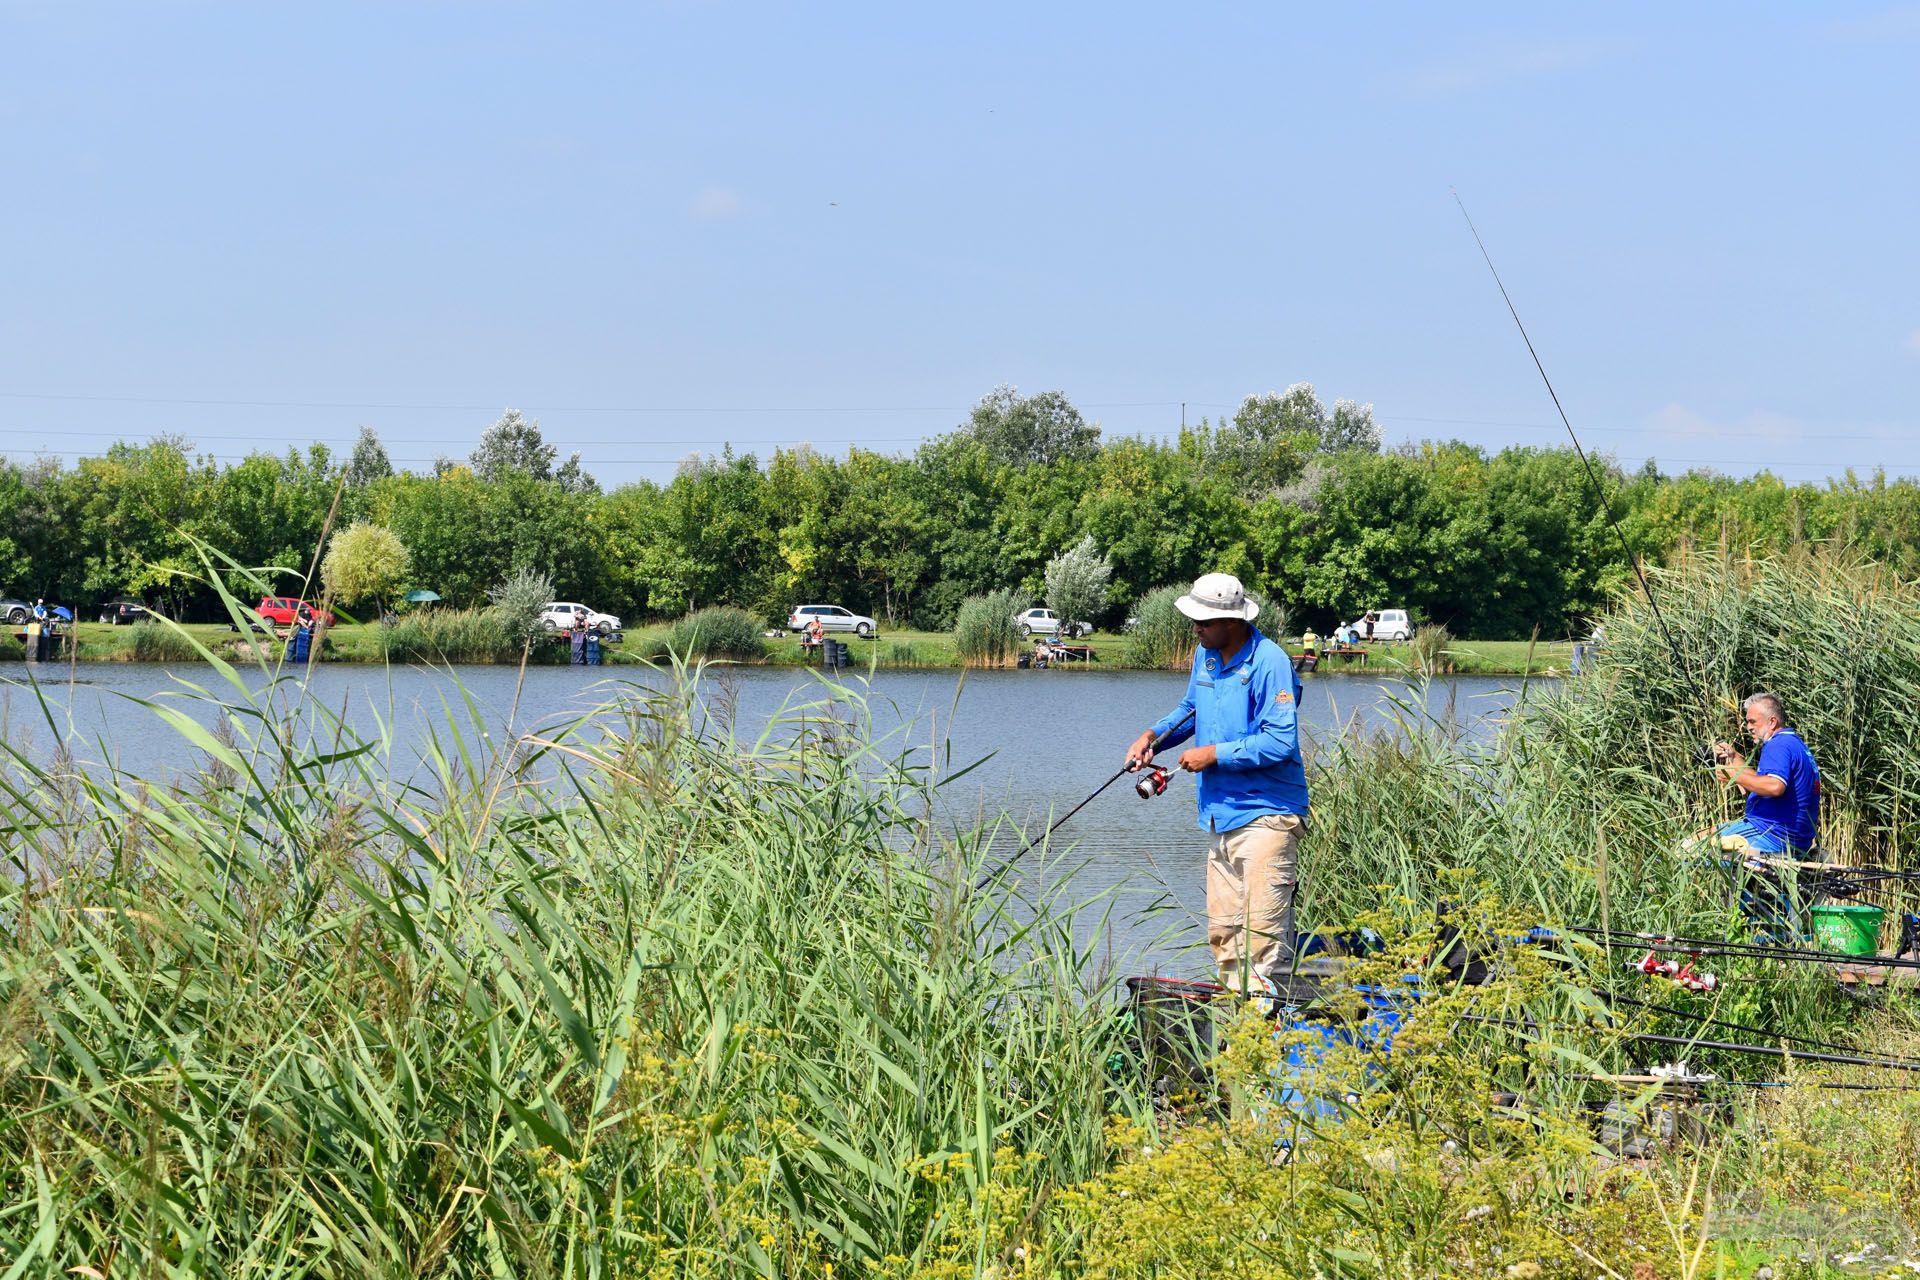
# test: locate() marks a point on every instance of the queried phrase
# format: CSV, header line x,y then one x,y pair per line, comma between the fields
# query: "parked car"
x,y
116,612
16,612
1388,624
833,618
1045,622
559,616
286,610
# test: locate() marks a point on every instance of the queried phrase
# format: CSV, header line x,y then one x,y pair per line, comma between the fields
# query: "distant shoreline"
x,y
897,650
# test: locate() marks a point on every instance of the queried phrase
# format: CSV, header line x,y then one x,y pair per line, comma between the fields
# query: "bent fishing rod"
x,y
1593,479
1152,785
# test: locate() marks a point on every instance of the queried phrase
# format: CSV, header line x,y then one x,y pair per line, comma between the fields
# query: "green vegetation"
x,y
1162,636
728,1007
985,635
441,636
159,642
364,563
714,633
1296,498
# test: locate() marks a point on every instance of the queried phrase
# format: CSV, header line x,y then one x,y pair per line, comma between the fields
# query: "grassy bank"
x,y
352,642
741,1008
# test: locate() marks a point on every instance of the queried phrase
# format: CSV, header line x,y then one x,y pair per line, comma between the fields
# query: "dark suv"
x,y
117,612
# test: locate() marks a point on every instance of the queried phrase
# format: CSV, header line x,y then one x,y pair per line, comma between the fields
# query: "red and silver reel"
x,y
1152,783
1678,971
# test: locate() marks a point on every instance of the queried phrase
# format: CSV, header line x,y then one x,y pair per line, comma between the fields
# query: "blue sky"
x,y
658,227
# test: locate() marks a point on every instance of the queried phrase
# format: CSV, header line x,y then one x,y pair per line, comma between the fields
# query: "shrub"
x,y
984,634
1162,636
519,600
451,635
718,632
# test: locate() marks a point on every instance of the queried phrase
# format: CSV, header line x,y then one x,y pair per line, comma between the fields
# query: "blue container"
x,y
1314,1033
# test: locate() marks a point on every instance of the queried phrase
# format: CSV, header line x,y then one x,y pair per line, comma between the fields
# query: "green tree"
x,y
513,444
369,461
364,562
1077,582
1034,430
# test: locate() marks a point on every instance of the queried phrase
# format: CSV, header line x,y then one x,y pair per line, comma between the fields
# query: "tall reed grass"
x,y
984,633
720,632
157,642
451,635
1162,636
718,1008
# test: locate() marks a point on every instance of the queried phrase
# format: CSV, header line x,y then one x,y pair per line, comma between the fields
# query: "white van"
x,y
1388,624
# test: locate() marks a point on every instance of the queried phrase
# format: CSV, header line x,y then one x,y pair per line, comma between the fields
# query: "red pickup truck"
x,y
285,611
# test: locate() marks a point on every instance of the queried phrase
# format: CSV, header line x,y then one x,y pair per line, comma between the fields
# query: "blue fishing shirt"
x,y
1795,815
1247,707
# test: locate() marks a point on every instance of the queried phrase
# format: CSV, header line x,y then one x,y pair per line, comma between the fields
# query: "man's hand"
x,y
1140,754
1195,759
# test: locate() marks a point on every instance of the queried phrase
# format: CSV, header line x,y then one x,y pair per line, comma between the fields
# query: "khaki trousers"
x,y
1252,876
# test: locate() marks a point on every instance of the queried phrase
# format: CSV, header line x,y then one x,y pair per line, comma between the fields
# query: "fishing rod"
x,y
1701,1019
1152,785
1668,943
1724,1046
1606,504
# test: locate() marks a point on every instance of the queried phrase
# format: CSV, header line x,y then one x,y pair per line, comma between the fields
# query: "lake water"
x,y
1049,738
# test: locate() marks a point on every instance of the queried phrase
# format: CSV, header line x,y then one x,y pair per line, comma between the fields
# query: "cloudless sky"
x,y
661,227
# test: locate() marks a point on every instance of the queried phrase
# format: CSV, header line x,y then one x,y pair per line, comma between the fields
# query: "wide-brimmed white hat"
x,y
1217,595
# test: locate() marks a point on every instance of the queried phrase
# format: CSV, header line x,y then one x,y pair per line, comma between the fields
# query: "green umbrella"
x,y
421,596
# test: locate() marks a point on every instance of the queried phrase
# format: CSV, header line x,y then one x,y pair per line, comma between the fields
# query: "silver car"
x,y
833,618
1045,622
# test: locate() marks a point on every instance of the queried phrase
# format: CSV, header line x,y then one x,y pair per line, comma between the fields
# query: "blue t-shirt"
x,y
1796,812
1246,705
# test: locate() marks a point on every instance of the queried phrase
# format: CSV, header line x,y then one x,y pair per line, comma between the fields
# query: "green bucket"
x,y
1851,930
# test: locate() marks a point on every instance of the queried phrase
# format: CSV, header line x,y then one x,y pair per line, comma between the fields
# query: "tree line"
x,y
1298,499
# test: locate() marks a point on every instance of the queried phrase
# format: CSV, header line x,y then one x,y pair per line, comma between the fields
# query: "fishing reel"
x,y
1704,753
1152,783
1680,972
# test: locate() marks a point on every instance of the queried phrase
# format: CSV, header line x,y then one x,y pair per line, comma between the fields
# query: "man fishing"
x,y
1782,785
1241,711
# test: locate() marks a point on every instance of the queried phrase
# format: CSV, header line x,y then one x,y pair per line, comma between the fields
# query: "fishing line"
x,y
1606,505
1124,769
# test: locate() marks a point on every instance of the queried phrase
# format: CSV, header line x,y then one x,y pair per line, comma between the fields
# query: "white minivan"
x,y
1388,624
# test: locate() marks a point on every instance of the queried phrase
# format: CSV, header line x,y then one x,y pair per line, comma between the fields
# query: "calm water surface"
x,y
1048,737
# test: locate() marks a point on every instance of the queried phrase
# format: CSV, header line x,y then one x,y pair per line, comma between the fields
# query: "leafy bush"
x,y
1162,636
719,632
158,642
451,635
984,633
519,600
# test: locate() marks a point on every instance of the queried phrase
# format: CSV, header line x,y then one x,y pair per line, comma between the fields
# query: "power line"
x,y
208,401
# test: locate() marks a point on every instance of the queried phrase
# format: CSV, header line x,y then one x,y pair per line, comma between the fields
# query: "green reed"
x,y
627,995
